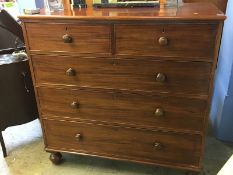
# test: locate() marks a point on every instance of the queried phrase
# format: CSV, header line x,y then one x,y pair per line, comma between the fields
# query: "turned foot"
x,y
56,158
192,173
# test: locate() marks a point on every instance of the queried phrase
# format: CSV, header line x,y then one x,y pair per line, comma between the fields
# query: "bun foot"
x,y
192,173
56,158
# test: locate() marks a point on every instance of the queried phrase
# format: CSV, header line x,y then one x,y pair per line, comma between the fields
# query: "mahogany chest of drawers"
x,y
126,84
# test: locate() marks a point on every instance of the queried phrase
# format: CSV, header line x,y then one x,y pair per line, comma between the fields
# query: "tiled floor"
x,y
27,157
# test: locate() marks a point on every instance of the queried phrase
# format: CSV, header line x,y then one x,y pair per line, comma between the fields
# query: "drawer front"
x,y
84,38
136,110
125,143
141,75
166,40
179,77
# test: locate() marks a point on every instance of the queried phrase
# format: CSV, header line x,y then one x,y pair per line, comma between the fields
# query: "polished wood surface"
x,y
184,11
180,40
221,4
140,145
110,77
50,37
135,110
132,74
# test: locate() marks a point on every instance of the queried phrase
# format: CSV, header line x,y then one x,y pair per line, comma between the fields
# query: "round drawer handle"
x,y
158,145
163,41
159,112
67,38
160,77
78,137
70,72
74,105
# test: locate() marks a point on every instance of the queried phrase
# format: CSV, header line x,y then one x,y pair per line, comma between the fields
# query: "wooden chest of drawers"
x,y
131,86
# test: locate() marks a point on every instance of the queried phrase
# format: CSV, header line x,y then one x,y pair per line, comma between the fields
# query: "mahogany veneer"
x,y
181,41
130,84
131,74
123,108
124,143
48,38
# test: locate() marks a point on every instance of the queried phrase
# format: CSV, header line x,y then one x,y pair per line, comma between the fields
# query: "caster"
x,y
56,158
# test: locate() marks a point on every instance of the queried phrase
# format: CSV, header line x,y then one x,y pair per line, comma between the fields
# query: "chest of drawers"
x,y
132,86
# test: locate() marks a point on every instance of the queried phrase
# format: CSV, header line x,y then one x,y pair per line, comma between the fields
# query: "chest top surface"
x,y
183,11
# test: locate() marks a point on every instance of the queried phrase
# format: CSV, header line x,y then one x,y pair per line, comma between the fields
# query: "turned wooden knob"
x,y
70,72
78,137
158,145
163,41
159,112
56,158
160,77
74,105
67,38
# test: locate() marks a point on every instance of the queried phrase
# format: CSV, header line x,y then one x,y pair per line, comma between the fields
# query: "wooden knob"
x,y
70,72
78,137
158,145
67,38
160,77
74,105
159,112
163,41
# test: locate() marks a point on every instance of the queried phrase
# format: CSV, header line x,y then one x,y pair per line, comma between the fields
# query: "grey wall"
x,y
39,3
222,103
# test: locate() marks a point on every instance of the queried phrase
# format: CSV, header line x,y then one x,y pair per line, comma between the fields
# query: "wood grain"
x,y
221,4
181,12
98,95
85,38
184,40
124,142
135,110
132,74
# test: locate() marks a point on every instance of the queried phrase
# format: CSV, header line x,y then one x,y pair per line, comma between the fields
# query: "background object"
x,y
7,39
27,4
18,104
53,5
222,111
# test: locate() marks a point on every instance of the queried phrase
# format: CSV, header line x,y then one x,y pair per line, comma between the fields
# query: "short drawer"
x,y
175,40
136,110
132,74
124,143
72,38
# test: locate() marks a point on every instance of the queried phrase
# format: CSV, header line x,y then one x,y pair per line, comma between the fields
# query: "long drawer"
x,y
132,74
175,40
76,38
124,143
179,114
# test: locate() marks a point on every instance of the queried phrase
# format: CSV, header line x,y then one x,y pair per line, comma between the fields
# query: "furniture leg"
x,y
56,158
3,145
